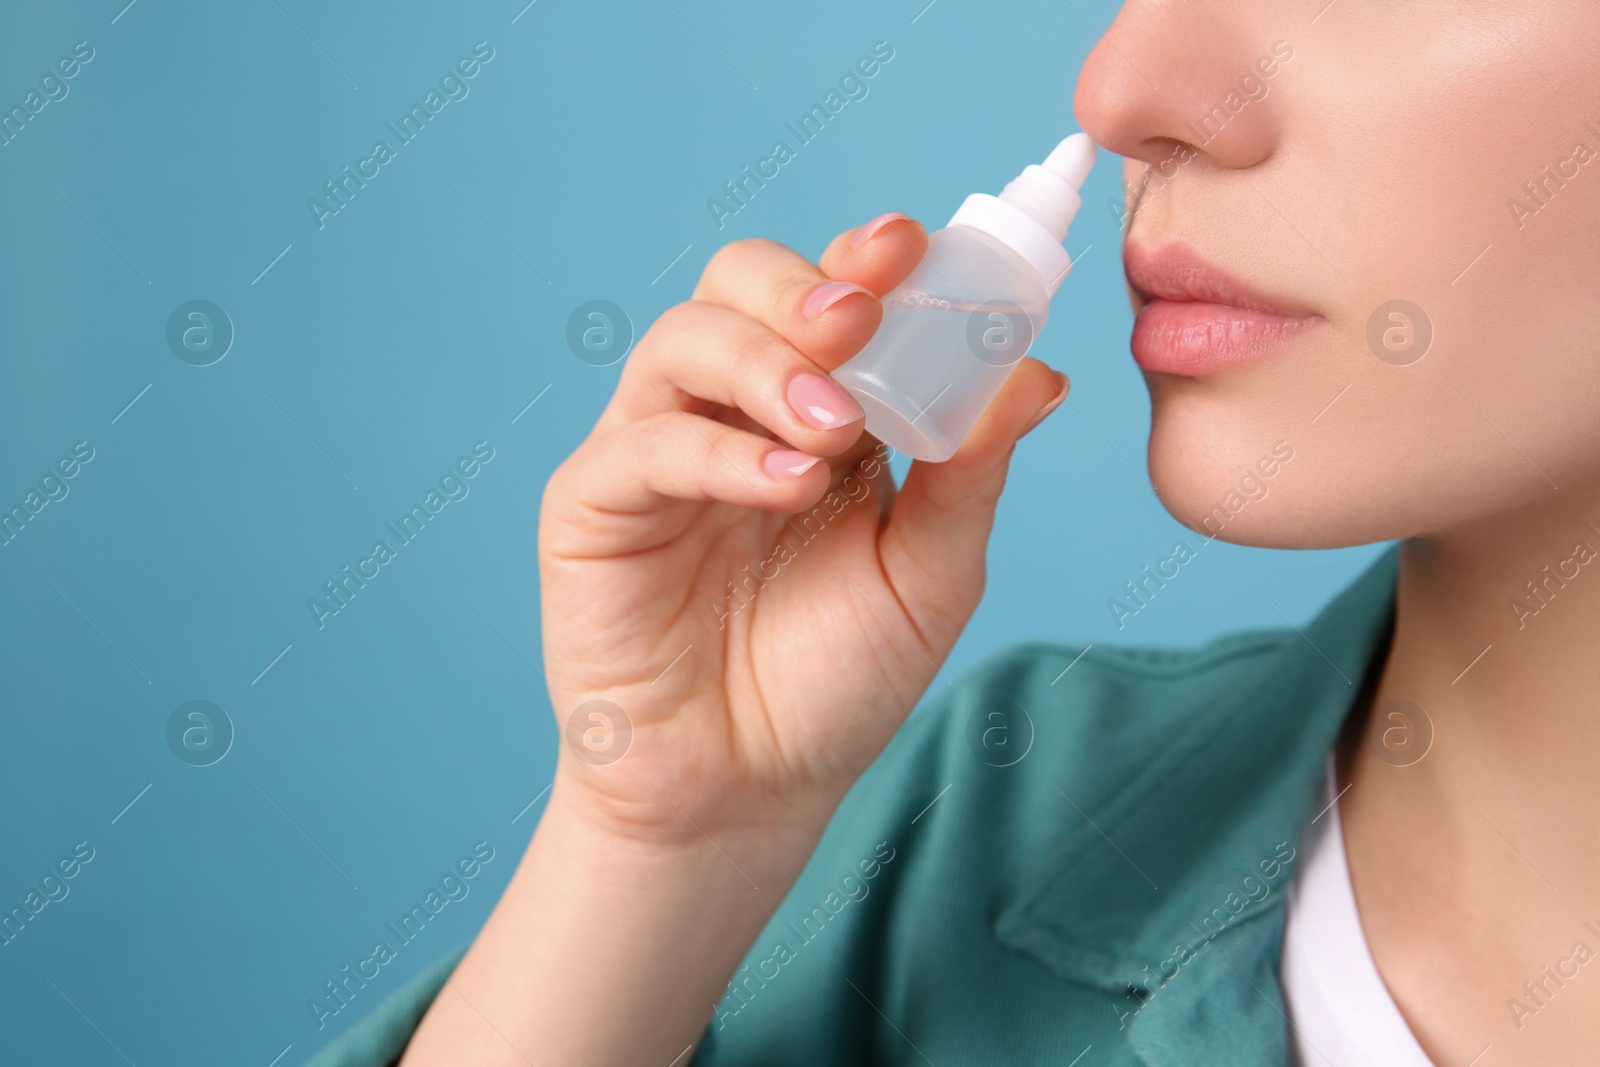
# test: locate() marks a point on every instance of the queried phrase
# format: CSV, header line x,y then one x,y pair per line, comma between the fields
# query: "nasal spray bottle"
x,y
955,329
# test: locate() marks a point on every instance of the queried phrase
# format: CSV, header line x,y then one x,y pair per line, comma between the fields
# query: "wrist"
x,y
649,925
652,818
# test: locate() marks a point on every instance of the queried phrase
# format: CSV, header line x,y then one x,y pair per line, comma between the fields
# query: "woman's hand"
x,y
733,629
725,559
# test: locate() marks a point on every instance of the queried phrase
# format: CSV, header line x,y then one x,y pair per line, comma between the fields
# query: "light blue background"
x,y
407,329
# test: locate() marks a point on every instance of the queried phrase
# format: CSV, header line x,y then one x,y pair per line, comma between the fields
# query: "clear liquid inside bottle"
x,y
951,334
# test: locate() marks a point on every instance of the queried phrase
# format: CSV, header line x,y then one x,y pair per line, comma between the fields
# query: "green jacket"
x,y
1065,854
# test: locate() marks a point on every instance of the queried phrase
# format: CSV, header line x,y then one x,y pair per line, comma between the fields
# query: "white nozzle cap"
x,y
1072,159
1032,214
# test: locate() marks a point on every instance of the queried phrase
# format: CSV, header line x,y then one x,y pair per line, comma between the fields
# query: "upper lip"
x,y
1175,271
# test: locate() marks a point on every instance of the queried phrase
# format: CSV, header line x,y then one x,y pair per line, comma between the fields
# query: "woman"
x,y
1365,245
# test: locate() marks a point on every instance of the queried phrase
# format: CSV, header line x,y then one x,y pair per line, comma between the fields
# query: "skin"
x,y
1350,184
1378,165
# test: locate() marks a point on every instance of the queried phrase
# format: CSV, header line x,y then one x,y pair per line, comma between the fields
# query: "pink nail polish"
x,y
822,404
922,352
865,232
826,295
785,464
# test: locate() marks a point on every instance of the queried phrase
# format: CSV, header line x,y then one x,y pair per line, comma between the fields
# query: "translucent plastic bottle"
x,y
954,330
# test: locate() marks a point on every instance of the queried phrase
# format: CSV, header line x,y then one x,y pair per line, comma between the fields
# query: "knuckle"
x,y
557,488
717,263
761,348
673,442
736,255
551,490
790,291
714,441
674,318
658,435
758,246
679,318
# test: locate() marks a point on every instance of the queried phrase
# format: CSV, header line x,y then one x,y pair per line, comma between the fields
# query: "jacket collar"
x,y
1182,920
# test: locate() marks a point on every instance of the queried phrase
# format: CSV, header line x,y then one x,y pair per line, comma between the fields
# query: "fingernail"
x,y
784,464
1048,408
821,403
826,295
866,231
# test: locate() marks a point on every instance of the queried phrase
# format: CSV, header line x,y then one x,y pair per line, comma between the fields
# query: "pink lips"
x,y
1199,320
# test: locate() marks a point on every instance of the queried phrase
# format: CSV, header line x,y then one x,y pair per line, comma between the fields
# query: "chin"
x,y
1253,473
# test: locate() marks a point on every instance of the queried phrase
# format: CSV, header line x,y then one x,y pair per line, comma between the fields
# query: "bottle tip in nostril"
x,y
1072,159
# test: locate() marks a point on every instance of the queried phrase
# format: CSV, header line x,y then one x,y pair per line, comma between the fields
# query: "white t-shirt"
x,y
1340,1012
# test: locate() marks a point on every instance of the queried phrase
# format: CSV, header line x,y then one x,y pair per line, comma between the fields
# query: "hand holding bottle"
x,y
682,510
726,452
725,561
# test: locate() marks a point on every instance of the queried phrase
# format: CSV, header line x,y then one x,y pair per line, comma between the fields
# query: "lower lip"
x,y
1192,337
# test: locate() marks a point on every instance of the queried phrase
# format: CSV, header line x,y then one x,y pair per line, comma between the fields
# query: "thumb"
x,y
933,546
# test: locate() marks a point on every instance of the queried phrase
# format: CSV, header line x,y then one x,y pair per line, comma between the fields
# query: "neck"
x,y
1486,835
1497,640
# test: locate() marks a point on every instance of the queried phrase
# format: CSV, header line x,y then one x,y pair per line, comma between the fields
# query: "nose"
x,y
1184,81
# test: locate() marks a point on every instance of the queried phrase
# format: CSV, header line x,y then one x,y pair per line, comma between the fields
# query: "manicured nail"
x,y
1048,408
826,295
821,403
865,232
785,464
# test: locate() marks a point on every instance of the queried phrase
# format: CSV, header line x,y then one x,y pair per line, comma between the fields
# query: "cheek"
x,y
1397,174
1502,406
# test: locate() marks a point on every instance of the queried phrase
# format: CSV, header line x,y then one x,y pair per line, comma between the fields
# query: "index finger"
x,y
878,254
783,291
